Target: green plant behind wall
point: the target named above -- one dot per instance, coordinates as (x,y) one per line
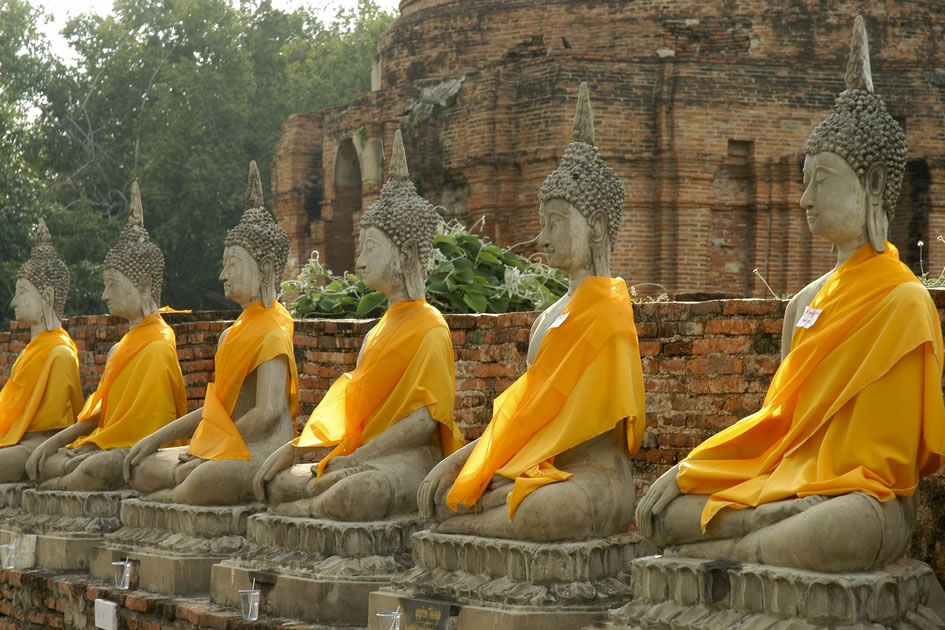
(465,274)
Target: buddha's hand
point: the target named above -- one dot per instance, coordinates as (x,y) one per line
(281,458)
(434,488)
(36,461)
(144,447)
(660,494)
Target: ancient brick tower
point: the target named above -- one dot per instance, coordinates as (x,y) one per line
(703,108)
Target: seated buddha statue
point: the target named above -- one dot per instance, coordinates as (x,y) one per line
(554,462)
(249,408)
(391,419)
(44,393)
(823,477)
(141,389)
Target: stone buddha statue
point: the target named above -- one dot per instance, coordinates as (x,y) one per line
(391,419)
(142,387)
(248,410)
(44,392)
(554,462)
(824,476)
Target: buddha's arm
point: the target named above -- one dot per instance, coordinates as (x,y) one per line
(437,484)
(65,437)
(412,432)
(270,402)
(180,429)
(787,328)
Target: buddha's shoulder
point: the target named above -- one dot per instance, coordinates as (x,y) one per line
(913,293)
(550,313)
(804,297)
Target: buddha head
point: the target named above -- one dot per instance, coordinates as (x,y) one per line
(855,160)
(134,268)
(581,202)
(255,251)
(42,284)
(397,233)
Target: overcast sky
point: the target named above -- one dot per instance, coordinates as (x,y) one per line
(62,10)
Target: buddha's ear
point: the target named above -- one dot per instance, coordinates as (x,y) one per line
(877,223)
(148,305)
(598,223)
(48,296)
(267,281)
(409,257)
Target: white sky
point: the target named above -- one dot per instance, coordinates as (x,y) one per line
(62,10)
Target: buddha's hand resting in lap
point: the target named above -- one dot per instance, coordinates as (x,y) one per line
(38,458)
(281,458)
(438,482)
(660,494)
(144,447)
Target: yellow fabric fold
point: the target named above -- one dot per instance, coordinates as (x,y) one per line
(855,407)
(407,363)
(258,335)
(44,391)
(586,378)
(142,388)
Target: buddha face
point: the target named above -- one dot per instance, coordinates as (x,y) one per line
(27,302)
(121,296)
(834,198)
(565,235)
(379,261)
(241,278)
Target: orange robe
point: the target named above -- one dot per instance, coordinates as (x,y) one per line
(258,335)
(44,391)
(407,363)
(855,407)
(142,388)
(586,378)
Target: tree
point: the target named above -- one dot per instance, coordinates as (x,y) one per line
(181,95)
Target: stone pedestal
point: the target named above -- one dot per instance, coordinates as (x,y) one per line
(514,585)
(316,570)
(683,594)
(59,528)
(173,546)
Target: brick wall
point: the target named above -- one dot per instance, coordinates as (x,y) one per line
(702,108)
(706,364)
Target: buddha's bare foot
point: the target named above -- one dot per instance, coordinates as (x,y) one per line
(770,513)
(299,508)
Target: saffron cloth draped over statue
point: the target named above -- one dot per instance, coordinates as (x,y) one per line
(856,406)
(142,388)
(258,335)
(44,391)
(586,378)
(407,364)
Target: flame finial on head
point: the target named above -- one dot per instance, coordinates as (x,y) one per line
(136,211)
(41,235)
(858,74)
(583,128)
(398,158)
(254,190)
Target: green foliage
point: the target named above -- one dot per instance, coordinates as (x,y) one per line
(930,282)
(179,94)
(465,274)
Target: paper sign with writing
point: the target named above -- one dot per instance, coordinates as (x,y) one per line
(809,318)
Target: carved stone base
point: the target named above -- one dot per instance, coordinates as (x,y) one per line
(173,546)
(515,585)
(61,527)
(684,594)
(315,570)
(11,498)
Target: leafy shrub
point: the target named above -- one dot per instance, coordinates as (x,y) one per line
(465,274)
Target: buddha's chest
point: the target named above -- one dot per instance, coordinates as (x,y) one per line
(551,318)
